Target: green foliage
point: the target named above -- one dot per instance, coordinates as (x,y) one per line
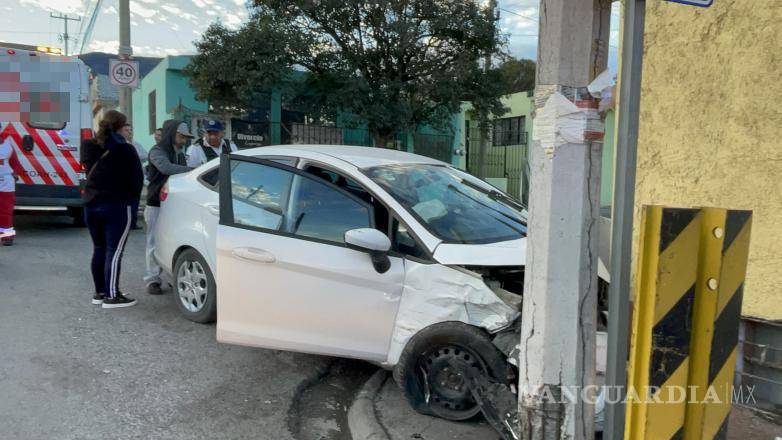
(518,75)
(396,64)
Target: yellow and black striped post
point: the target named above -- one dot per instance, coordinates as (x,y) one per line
(685,322)
(722,267)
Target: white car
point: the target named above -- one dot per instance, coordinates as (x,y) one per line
(375,254)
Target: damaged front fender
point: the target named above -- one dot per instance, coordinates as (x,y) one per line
(435,293)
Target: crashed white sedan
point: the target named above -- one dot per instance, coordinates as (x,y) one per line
(375,254)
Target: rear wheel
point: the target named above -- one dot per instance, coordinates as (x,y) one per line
(194,287)
(426,372)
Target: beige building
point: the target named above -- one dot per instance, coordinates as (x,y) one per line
(103,96)
(710,129)
(710,134)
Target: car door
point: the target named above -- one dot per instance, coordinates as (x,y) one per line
(210,206)
(285,278)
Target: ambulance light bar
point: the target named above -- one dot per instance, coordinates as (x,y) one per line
(51,50)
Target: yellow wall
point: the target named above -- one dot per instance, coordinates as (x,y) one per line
(711,124)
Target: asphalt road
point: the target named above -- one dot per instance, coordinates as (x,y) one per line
(71,370)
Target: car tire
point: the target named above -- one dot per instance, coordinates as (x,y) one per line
(195,291)
(424,360)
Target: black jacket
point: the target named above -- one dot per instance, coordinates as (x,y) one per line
(164,160)
(117,176)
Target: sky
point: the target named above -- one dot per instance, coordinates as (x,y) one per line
(169,27)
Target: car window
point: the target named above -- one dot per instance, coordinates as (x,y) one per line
(211,178)
(404,243)
(323,212)
(259,193)
(453,205)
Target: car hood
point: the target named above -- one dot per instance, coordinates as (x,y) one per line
(504,253)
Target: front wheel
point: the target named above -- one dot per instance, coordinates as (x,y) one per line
(426,372)
(195,291)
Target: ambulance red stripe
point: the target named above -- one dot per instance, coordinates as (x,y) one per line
(66,179)
(42,173)
(6,133)
(65,153)
(3,135)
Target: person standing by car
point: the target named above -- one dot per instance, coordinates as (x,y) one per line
(165,159)
(114,182)
(158,136)
(127,133)
(211,146)
(10,168)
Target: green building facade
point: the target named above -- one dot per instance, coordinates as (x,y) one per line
(165,93)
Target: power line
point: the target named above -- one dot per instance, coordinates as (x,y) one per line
(518,15)
(532,20)
(10,31)
(65,19)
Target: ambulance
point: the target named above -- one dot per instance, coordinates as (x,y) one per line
(45,112)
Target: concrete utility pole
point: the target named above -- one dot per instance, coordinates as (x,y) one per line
(483,148)
(65,36)
(125,51)
(558,324)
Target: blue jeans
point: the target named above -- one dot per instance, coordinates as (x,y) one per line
(109,226)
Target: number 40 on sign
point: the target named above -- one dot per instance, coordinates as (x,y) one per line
(123,73)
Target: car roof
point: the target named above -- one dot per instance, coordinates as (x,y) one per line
(361,157)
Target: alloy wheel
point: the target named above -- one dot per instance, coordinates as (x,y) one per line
(192,285)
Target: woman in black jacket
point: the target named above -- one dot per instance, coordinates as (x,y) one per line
(114,181)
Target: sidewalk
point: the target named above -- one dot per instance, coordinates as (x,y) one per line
(384,414)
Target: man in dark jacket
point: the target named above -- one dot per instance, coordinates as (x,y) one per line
(165,159)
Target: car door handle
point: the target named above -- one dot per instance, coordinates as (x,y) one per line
(213,209)
(254,254)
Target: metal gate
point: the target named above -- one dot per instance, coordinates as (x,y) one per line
(507,158)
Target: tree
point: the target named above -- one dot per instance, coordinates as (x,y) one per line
(518,75)
(395,64)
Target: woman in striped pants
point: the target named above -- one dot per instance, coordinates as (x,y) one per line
(114,181)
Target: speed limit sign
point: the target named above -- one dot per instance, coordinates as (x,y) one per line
(123,73)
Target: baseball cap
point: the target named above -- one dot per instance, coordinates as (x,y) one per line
(183,130)
(213,125)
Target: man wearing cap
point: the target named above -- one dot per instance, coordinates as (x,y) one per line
(211,146)
(165,159)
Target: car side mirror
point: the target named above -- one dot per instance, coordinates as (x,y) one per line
(372,241)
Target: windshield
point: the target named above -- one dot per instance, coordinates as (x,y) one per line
(454,206)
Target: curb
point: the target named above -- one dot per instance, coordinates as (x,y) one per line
(362,420)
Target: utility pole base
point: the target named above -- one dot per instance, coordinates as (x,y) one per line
(542,418)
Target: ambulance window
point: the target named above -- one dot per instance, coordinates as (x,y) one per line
(49,110)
